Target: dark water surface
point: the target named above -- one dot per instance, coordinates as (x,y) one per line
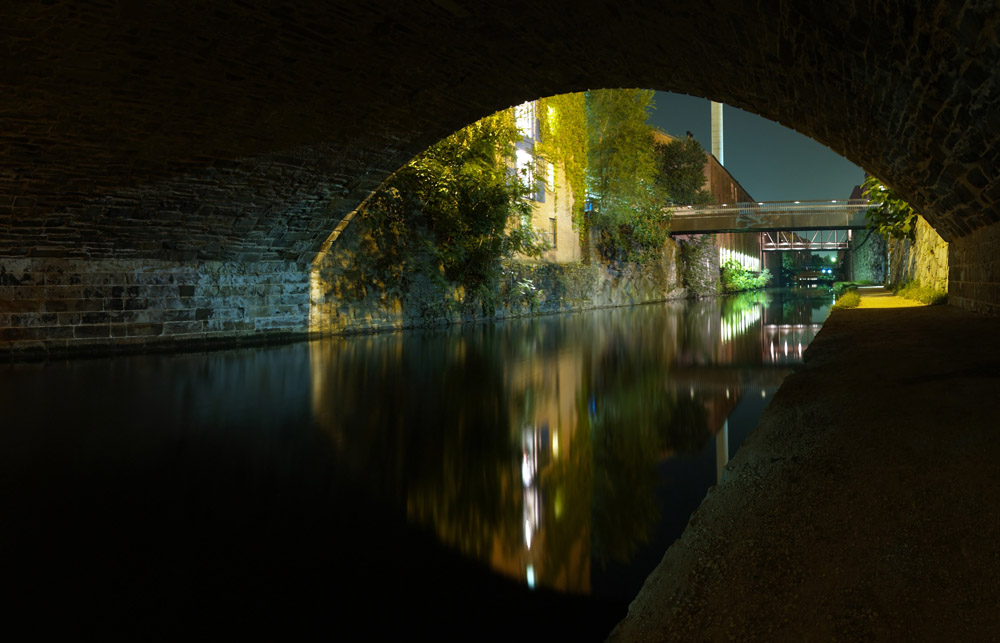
(498,482)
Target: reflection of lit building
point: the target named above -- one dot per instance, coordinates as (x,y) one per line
(740,323)
(536,451)
(545,422)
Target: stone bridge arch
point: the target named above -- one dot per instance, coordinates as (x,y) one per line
(169,170)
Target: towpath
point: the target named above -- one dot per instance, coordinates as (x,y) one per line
(865,506)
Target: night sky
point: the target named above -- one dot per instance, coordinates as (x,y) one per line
(772,162)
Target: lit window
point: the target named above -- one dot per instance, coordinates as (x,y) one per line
(524,117)
(551,171)
(525,163)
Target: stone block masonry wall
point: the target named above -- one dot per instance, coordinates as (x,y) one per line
(924,260)
(868,257)
(530,288)
(974,271)
(51,307)
(700,264)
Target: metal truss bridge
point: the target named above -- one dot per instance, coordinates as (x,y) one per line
(770,216)
(775,240)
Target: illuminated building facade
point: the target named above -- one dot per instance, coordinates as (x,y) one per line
(552,199)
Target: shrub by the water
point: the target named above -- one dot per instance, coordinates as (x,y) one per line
(736,278)
(850,299)
(840,287)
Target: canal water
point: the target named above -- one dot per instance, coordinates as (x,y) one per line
(512,480)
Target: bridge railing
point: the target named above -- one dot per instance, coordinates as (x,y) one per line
(773,207)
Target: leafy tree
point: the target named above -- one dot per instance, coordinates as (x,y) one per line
(453,212)
(682,171)
(563,120)
(736,278)
(627,200)
(888,215)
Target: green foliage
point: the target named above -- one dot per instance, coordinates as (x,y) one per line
(736,278)
(840,287)
(682,171)
(452,213)
(628,212)
(850,299)
(563,120)
(888,215)
(919,292)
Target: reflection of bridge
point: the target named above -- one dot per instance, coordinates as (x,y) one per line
(719,377)
(785,343)
(773,216)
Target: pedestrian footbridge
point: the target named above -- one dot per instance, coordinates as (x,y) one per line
(770,216)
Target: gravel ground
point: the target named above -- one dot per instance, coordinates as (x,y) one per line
(865,505)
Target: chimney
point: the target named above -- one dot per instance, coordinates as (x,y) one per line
(717,131)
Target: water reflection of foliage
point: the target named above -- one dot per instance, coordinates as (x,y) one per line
(438,437)
(798,304)
(746,301)
(626,447)
(634,422)
(688,430)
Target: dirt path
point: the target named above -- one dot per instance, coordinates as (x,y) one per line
(878,297)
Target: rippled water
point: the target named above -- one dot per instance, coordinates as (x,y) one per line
(293,484)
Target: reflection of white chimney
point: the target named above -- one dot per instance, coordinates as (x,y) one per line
(717,131)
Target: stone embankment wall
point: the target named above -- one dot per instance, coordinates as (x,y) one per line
(529,288)
(699,261)
(974,271)
(868,257)
(924,260)
(53,306)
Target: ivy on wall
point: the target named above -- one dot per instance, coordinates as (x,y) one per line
(563,121)
(451,214)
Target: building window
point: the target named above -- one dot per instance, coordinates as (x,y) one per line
(524,117)
(525,164)
(552,222)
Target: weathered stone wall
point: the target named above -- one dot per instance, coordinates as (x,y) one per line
(868,257)
(529,288)
(974,271)
(699,264)
(54,307)
(924,260)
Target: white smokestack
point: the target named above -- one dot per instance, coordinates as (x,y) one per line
(717,131)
